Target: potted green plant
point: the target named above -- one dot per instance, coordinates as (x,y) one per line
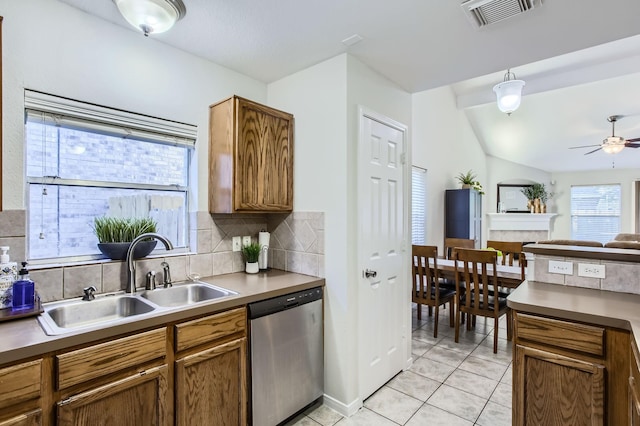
(115,235)
(468,180)
(538,196)
(251,253)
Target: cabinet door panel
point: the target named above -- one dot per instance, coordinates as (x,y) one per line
(132,401)
(32,418)
(551,389)
(210,386)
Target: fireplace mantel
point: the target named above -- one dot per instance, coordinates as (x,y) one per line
(520,221)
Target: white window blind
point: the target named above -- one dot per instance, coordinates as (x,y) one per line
(418,205)
(595,212)
(85,161)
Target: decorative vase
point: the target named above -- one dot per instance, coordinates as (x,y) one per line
(251,268)
(118,251)
(536,205)
(466,186)
(543,208)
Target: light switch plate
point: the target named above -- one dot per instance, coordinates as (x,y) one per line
(590,270)
(558,267)
(236,243)
(246,240)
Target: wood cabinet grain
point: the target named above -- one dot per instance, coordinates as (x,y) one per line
(140,399)
(21,390)
(567,372)
(250,157)
(211,386)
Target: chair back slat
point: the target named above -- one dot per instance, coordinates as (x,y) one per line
(477,269)
(510,250)
(425,277)
(450,244)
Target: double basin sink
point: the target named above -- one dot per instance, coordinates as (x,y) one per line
(112,309)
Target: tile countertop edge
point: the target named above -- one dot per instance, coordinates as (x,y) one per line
(25,338)
(600,307)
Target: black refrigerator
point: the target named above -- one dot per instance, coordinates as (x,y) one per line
(463,214)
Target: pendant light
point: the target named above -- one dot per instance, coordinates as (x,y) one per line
(509,93)
(151,16)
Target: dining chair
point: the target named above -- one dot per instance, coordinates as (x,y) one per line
(479,296)
(511,253)
(451,243)
(426,289)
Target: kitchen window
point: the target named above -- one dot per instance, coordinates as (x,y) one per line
(595,212)
(85,161)
(418,205)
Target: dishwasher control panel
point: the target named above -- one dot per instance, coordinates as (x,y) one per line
(281,303)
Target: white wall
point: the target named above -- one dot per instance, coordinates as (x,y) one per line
(54,48)
(443,142)
(562,198)
(503,171)
(325,98)
(318,97)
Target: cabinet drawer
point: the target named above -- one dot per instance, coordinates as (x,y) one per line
(106,358)
(196,332)
(562,334)
(20,383)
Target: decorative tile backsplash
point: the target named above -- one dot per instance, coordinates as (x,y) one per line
(297,245)
(619,276)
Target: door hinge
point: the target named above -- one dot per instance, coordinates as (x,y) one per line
(403,158)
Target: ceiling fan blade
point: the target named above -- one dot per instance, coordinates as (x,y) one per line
(591,152)
(632,145)
(583,146)
(633,140)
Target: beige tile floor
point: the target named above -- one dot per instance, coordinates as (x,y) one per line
(448,384)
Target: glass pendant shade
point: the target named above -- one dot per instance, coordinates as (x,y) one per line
(509,95)
(613,144)
(151,16)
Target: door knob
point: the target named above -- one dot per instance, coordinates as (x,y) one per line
(368,273)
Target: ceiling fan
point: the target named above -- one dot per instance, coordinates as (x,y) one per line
(613,144)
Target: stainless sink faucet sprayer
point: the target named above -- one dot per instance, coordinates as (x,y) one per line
(131,266)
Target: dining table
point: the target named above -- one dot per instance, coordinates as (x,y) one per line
(508,276)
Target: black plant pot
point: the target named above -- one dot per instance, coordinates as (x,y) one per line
(118,251)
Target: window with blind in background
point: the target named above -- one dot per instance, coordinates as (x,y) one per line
(595,212)
(418,205)
(85,161)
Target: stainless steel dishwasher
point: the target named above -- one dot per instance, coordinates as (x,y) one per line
(287,360)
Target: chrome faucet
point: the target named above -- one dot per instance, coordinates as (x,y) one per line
(131,266)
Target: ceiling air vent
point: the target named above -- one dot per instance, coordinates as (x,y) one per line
(486,12)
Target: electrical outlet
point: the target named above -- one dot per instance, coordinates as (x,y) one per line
(557,267)
(246,240)
(236,243)
(590,270)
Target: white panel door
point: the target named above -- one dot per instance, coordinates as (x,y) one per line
(383,295)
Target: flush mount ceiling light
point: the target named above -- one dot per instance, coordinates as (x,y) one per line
(509,93)
(151,16)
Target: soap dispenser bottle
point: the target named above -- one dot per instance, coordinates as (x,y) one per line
(8,274)
(23,290)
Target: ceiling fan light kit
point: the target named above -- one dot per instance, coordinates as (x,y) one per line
(509,93)
(613,144)
(151,16)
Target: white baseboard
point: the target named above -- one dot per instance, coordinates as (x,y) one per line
(346,410)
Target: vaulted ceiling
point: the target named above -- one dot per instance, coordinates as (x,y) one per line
(422,45)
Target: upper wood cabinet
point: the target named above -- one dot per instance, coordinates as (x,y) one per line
(250,158)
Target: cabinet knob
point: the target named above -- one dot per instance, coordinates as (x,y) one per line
(368,273)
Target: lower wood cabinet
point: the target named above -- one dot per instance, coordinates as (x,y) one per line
(210,370)
(569,373)
(31,418)
(140,399)
(210,386)
(634,385)
(188,373)
(20,394)
(557,390)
